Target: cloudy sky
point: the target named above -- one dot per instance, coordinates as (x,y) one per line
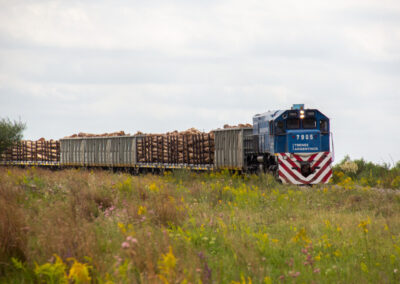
(156,66)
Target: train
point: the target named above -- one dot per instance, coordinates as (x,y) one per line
(292,144)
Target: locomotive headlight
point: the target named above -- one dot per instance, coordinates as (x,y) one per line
(301,114)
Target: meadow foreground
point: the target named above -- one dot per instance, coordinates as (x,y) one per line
(85,226)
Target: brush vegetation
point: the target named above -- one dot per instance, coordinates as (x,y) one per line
(82,226)
(350,173)
(10,133)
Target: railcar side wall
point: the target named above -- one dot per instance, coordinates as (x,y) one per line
(99,151)
(231,145)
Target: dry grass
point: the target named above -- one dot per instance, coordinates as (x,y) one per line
(13,227)
(214,228)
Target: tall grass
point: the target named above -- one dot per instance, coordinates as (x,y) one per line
(82,226)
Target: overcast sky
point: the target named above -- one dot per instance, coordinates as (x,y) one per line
(156,66)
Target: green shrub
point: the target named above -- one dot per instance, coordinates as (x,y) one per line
(366,173)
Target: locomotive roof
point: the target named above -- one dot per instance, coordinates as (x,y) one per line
(274,114)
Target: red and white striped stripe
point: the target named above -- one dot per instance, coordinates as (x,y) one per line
(290,168)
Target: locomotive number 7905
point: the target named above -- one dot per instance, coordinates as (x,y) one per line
(304,137)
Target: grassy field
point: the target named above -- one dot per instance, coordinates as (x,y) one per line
(85,226)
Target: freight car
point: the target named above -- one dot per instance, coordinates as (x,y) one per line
(292,144)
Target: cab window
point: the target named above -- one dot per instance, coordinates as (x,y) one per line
(293,123)
(279,127)
(324,126)
(309,123)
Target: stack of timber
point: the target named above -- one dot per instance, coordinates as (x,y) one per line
(35,151)
(188,147)
(85,135)
(247,125)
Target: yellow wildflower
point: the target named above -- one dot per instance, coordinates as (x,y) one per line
(363,225)
(142,210)
(327,224)
(167,265)
(153,187)
(301,236)
(364,267)
(337,253)
(267,280)
(79,272)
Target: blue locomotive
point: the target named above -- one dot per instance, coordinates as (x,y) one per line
(294,144)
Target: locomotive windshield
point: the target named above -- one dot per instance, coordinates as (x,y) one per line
(293,123)
(309,123)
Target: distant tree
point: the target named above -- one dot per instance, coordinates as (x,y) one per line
(10,133)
